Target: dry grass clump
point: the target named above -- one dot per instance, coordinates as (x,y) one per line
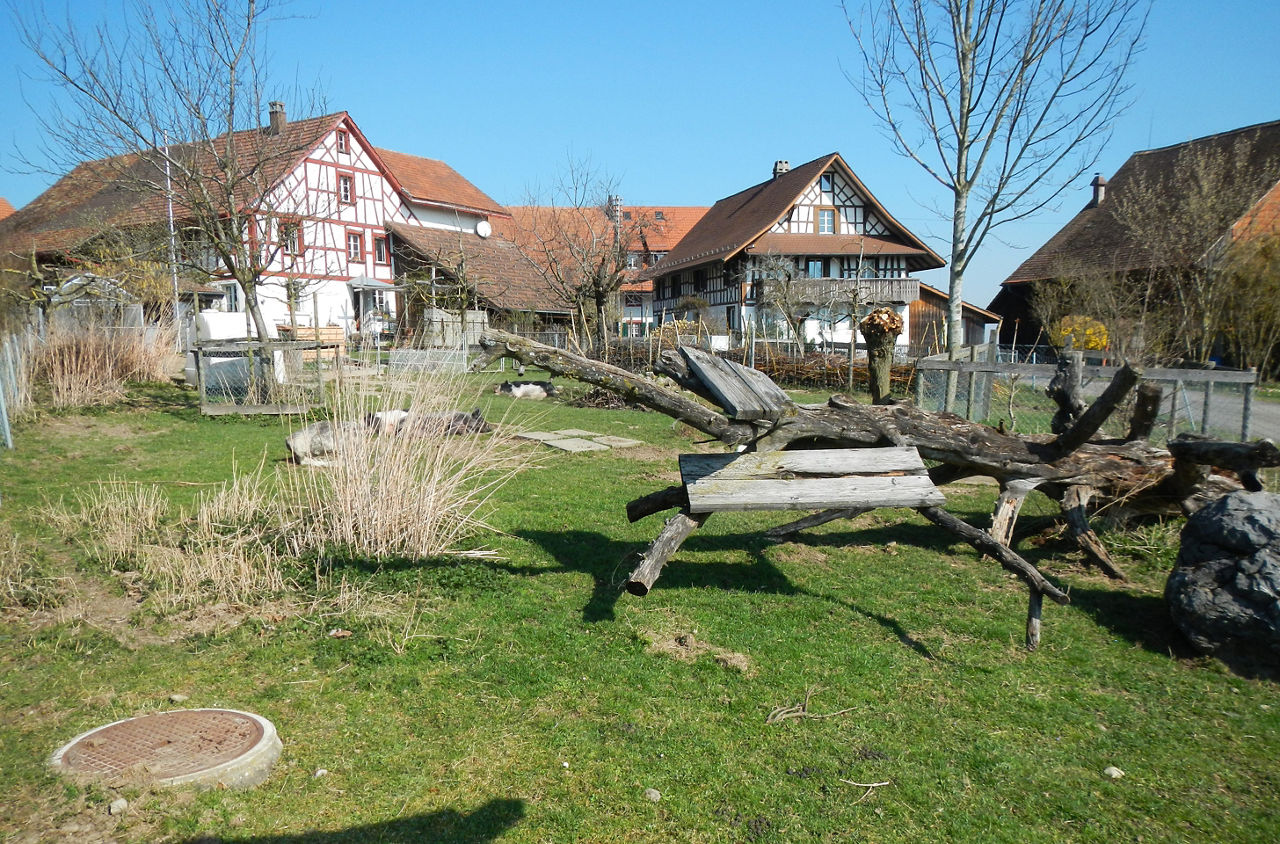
(219,551)
(88,364)
(415,493)
(24,583)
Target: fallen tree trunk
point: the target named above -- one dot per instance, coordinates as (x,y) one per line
(1136,472)
(1073,468)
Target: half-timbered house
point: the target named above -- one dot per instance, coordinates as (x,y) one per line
(335,228)
(818,225)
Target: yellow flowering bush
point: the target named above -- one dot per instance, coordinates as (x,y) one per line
(1085,333)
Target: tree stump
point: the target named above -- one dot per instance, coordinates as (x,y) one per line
(880,329)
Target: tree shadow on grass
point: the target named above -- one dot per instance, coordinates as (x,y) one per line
(1139,619)
(486,823)
(1144,620)
(605,560)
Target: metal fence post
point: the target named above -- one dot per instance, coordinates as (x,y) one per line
(4,406)
(1246,415)
(1173,410)
(1204,411)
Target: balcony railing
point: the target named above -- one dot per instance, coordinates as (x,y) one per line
(865,291)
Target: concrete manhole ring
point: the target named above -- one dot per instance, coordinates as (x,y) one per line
(204,747)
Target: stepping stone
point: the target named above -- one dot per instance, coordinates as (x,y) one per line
(617,442)
(539,436)
(574,432)
(576,444)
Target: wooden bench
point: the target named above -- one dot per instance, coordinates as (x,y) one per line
(836,483)
(841,482)
(325,337)
(818,479)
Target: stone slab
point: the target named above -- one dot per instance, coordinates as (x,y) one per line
(574,432)
(539,436)
(576,444)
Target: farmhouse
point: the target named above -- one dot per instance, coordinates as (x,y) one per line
(342,230)
(1207,194)
(814,227)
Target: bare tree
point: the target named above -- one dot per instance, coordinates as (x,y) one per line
(1003,102)
(1183,221)
(579,242)
(781,288)
(1121,301)
(1253,301)
(443,281)
(161,106)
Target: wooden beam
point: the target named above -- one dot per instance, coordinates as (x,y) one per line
(648,565)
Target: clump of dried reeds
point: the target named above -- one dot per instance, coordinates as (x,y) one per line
(415,493)
(87,364)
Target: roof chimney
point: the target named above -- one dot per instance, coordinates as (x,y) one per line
(1099,190)
(276,117)
(780,167)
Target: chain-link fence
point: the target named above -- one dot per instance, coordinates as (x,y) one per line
(991,388)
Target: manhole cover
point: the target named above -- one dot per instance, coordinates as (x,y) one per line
(200,746)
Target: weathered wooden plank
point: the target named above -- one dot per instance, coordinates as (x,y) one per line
(731,392)
(762,385)
(715,494)
(829,462)
(744,397)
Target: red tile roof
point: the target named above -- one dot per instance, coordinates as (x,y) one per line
(6,208)
(1094,240)
(737,222)
(436,183)
(500,272)
(110,193)
(663,225)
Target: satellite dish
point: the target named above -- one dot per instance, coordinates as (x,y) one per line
(483,228)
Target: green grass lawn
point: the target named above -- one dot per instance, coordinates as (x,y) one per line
(525,698)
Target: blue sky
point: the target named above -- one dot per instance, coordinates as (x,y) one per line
(682,102)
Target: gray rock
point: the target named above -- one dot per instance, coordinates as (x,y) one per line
(652,794)
(1224,591)
(118,806)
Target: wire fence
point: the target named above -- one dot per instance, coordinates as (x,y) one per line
(990,388)
(15,379)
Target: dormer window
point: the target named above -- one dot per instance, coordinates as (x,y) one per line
(657,215)
(344,141)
